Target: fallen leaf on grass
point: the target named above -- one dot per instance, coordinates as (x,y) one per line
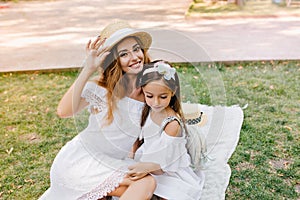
(255,85)
(10,128)
(29,181)
(280,164)
(281,175)
(47,110)
(33,98)
(245,106)
(23,97)
(288,128)
(9,151)
(30,137)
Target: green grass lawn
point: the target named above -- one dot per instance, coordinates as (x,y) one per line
(265,164)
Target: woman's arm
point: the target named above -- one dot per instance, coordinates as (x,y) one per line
(72,102)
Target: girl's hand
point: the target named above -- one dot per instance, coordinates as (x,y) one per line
(95,54)
(138,171)
(141,169)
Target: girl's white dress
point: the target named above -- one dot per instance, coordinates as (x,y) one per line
(95,161)
(179,181)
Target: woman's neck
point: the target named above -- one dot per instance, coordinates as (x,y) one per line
(131,82)
(130,86)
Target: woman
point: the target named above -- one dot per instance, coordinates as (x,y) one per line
(93,165)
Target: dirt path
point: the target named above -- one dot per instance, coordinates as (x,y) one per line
(52,34)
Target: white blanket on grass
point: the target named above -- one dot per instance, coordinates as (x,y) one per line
(222,131)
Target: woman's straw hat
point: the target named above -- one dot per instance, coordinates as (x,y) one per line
(118,30)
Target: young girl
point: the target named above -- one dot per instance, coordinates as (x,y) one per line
(163,153)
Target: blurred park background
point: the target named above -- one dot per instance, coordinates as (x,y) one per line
(243,8)
(51,34)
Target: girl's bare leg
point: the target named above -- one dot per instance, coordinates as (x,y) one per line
(141,189)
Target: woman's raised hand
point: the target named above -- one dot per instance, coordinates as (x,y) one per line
(72,102)
(96,54)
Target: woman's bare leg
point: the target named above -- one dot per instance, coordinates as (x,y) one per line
(141,189)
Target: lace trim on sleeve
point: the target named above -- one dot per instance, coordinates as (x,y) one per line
(107,186)
(90,93)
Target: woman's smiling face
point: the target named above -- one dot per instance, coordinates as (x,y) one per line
(131,56)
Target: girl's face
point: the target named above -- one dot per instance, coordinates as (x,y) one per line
(157,95)
(131,56)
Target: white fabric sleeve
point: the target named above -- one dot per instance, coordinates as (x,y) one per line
(169,152)
(95,95)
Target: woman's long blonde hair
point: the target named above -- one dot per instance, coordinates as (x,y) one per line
(113,78)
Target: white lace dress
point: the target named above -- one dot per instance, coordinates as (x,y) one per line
(179,181)
(95,161)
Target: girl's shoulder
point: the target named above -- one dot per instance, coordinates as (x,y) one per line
(173,126)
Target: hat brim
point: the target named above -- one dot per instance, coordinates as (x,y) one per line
(119,35)
(193,114)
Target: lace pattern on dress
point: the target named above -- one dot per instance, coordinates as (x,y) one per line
(107,186)
(96,103)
